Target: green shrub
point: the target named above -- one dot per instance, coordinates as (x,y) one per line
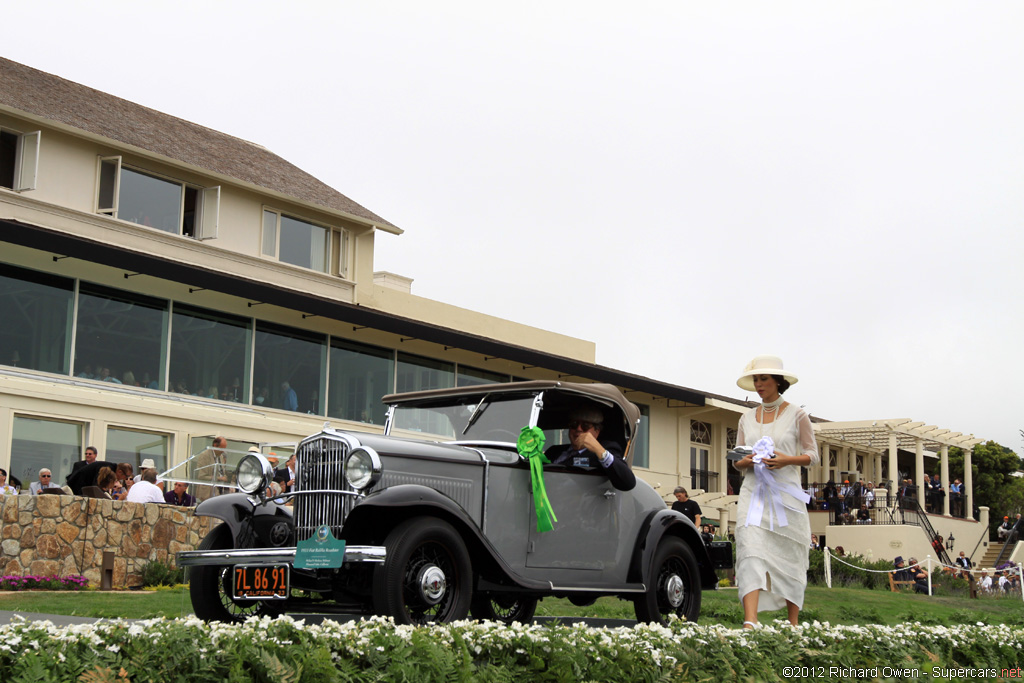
(157,573)
(847,576)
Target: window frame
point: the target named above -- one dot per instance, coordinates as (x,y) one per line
(26,159)
(336,251)
(207,207)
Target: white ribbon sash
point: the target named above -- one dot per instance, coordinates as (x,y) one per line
(768,490)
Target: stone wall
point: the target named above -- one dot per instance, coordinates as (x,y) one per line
(59,535)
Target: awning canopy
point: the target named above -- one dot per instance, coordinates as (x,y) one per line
(873,435)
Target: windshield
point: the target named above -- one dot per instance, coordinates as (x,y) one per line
(491,417)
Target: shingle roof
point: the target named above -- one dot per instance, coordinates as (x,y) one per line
(51,97)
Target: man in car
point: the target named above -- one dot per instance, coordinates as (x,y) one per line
(586,450)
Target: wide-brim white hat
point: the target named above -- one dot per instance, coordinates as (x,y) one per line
(147,464)
(763,365)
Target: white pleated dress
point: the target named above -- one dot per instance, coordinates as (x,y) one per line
(775,560)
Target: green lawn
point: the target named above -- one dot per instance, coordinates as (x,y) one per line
(836,606)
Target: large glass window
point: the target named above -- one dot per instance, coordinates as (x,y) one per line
(360,376)
(133,446)
(289,369)
(209,354)
(469,377)
(641,444)
(120,337)
(418,374)
(162,203)
(150,201)
(296,241)
(39,443)
(36,310)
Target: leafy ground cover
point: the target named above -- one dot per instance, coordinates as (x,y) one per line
(377,650)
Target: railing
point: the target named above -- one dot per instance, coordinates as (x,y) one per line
(703,479)
(913,508)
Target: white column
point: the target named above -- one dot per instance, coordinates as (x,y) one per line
(944,476)
(719,452)
(894,470)
(968,485)
(919,470)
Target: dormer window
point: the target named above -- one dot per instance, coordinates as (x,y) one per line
(145,198)
(302,243)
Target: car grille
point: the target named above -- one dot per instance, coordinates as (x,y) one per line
(320,466)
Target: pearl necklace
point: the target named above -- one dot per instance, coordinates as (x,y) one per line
(770,407)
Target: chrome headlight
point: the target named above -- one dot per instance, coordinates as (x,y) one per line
(254,473)
(362,468)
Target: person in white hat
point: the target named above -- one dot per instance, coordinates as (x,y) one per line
(772,525)
(148,464)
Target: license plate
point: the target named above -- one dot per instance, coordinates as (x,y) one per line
(260,582)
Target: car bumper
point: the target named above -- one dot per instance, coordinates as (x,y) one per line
(200,558)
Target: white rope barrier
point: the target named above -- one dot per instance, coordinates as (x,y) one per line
(1018,569)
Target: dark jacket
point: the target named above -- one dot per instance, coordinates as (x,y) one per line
(86,475)
(619,473)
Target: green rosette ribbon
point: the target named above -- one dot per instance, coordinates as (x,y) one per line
(531,447)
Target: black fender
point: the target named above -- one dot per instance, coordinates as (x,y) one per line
(376,514)
(663,523)
(243,518)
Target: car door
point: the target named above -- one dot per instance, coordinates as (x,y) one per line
(590,523)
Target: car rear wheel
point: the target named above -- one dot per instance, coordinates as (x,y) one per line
(209,587)
(506,609)
(427,577)
(673,584)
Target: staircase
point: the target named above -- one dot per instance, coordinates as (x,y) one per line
(988,560)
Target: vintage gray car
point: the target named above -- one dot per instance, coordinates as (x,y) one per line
(439,521)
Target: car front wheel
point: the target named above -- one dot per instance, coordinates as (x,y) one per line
(673,584)
(209,587)
(427,577)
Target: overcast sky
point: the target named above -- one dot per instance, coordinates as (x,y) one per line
(686,184)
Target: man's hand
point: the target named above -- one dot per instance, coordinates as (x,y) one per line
(588,441)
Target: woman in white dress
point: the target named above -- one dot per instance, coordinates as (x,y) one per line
(773,530)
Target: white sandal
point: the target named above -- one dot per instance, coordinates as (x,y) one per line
(753,624)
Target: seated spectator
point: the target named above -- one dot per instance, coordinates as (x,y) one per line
(814,541)
(179,496)
(920,577)
(124,481)
(901,573)
(1003,532)
(863,514)
(146,490)
(869,495)
(964,563)
(5,488)
(1016,529)
(840,552)
(106,481)
(1004,582)
(148,464)
(985,584)
(44,482)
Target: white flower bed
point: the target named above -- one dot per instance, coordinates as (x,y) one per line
(377,649)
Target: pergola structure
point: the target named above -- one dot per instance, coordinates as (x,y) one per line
(875,438)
